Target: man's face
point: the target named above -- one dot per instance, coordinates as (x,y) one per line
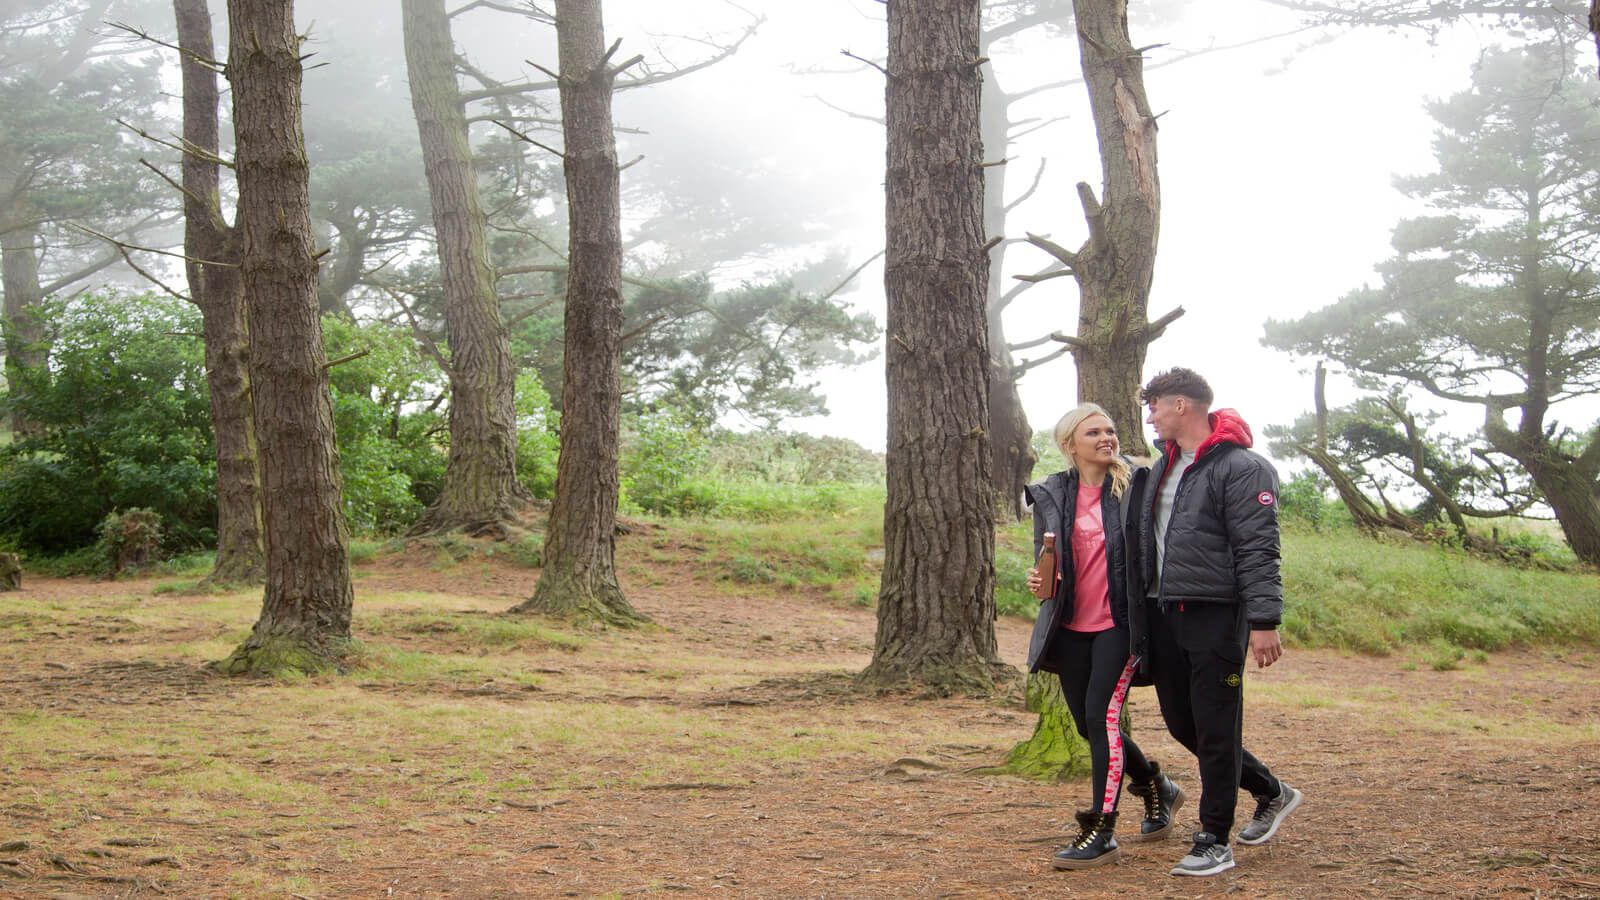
(1165,414)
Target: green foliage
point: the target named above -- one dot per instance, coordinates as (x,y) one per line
(1304,498)
(660,459)
(1013,557)
(130,539)
(1495,300)
(778,457)
(1356,593)
(389,463)
(125,420)
(538,437)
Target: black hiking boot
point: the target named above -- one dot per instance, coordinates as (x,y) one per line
(1162,797)
(1095,845)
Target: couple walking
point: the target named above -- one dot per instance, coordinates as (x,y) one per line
(1167,573)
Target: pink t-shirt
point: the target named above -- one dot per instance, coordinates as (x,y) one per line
(1091,596)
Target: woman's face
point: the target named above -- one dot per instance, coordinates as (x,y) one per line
(1094,441)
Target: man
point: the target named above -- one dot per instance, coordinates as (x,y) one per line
(1208,558)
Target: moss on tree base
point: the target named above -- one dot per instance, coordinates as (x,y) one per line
(1055,752)
(568,598)
(283,656)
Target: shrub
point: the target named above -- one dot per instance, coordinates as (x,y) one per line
(1304,498)
(659,462)
(389,461)
(124,420)
(538,440)
(130,540)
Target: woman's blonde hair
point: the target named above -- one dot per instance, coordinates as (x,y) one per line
(1121,472)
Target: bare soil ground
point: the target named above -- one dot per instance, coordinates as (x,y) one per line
(719,754)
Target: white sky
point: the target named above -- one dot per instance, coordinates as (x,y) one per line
(1276,178)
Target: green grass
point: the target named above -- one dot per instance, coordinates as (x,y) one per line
(471,631)
(1351,592)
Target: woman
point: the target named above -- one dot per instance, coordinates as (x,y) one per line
(1083,630)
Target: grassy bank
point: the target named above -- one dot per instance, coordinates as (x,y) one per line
(1342,589)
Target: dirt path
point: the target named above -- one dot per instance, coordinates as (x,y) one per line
(716,755)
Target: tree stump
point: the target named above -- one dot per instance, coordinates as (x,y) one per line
(10,572)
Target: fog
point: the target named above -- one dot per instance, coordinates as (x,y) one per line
(1277,147)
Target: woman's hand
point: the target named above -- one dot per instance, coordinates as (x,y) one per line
(1034,582)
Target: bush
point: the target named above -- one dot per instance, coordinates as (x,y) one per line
(538,437)
(660,460)
(130,540)
(125,422)
(1304,498)
(389,462)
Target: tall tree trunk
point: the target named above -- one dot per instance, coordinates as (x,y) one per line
(23,325)
(305,614)
(1114,267)
(219,292)
(936,608)
(1010,434)
(480,490)
(580,576)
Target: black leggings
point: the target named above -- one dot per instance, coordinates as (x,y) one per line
(1095,672)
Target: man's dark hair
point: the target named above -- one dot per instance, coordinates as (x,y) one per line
(1177,383)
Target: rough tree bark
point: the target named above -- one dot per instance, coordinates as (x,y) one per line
(305,613)
(580,577)
(1010,433)
(1114,267)
(936,606)
(480,491)
(23,327)
(218,290)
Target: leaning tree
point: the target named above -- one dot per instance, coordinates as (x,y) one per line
(1494,301)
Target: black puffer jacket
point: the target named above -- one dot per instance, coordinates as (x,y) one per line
(1054,503)
(1222,539)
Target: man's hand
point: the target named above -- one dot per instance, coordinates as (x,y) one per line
(1265,647)
(1034,582)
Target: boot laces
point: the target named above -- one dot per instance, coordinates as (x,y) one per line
(1264,808)
(1088,835)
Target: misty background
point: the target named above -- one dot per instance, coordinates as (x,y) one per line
(1278,144)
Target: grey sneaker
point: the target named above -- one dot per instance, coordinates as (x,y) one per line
(1270,813)
(1206,857)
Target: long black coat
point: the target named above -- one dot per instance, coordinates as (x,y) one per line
(1054,503)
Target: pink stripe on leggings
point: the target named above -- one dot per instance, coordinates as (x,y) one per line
(1114,736)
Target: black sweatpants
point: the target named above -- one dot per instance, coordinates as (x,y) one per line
(1197,656)
(1095,672)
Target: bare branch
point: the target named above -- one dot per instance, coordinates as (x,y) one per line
(854,115)
(1065,256)
(851,277)
(127,257)
(344,359)
(1022,368)
(1046,275)
(183,146)
(140,33)
(544,147)
(869,62)
(1038,176)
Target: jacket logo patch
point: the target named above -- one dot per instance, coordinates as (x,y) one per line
(1232,680)
(1264,498)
